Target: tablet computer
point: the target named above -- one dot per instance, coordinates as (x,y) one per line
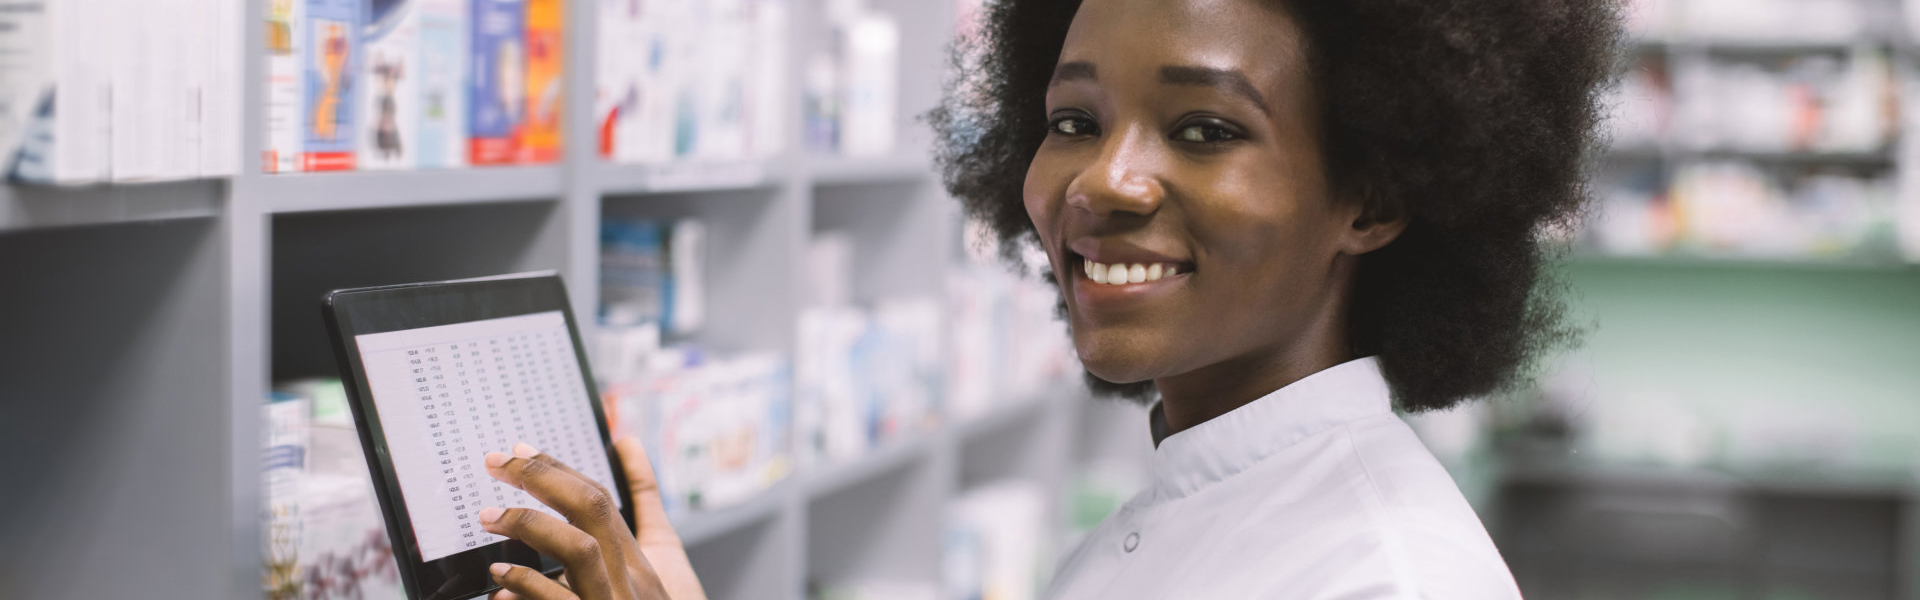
(439,374)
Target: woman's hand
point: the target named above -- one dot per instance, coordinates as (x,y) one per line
(603,560)
(658,541)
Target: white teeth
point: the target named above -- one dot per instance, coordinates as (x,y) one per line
(1121,274)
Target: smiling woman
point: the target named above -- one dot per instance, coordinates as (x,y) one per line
(1465,123)
(1281,217)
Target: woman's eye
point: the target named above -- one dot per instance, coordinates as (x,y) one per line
(1073,126)
(1204,132)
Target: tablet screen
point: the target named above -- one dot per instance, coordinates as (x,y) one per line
(449,394)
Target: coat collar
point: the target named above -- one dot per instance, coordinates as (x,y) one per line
(1188,461)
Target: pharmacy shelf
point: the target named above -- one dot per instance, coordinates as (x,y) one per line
(1755,47)
(1703,261)
(686,176)
(1821,481)
(27,207)
(1881,158)
(889,457)
(359,190)
(698,527)
(1001,418)
(906,166)
(211,299)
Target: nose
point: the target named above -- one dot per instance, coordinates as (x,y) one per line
(1122,179)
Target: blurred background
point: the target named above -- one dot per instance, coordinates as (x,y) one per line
(845,394)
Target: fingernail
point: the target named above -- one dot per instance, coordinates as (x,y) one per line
(524,451)
(497,459)
(500,569)
(490,514)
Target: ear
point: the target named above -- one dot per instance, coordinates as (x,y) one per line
(1374,223)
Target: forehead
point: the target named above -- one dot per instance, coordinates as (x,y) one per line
(1254,37)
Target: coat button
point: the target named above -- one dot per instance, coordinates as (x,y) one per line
(1133,541)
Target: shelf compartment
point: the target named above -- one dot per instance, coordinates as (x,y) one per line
(1014,414)
(754,560)
(314,253)
(1021,441)
(699,527)
(895,229)
(750,263)
(890,457)
(880,517)
(26,207)
(312,192)
(115,363)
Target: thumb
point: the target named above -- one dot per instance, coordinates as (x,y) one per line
(650,515)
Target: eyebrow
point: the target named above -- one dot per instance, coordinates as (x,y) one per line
(1228,79)
(1078,69)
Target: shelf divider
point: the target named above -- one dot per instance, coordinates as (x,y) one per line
(359,190)
(905,166)
(616,179)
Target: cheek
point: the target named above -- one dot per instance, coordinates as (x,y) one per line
(1044,193)
(1261,222)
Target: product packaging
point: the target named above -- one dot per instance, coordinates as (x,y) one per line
(497,85)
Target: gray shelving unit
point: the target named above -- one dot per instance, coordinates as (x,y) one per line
(1574,528)
(144,325)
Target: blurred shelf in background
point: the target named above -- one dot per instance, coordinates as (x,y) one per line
(1877,159)
(37,207)
(1768,128)
(904,166)
(1889,265)
(686,176)
(358,190)
(1564,470)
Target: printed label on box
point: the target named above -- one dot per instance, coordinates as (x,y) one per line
(497,85)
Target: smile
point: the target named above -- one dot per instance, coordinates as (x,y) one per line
(1122,273)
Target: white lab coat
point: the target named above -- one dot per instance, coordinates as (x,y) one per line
(1317,491)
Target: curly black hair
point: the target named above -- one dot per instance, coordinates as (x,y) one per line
(1476,119)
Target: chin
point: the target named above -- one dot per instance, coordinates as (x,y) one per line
(1117,357)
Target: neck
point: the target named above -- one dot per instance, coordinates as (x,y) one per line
(1198,396)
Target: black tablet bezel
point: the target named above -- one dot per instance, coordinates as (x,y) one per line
(359,311)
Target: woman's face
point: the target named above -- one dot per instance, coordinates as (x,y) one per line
(1181,195)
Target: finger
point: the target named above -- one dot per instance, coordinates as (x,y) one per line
(524,583)
(585,504)
(660,545)
(505,594)
(649,513)
(577,550)
(564,467)
(581,501)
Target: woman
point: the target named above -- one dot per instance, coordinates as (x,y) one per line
(1281,217)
